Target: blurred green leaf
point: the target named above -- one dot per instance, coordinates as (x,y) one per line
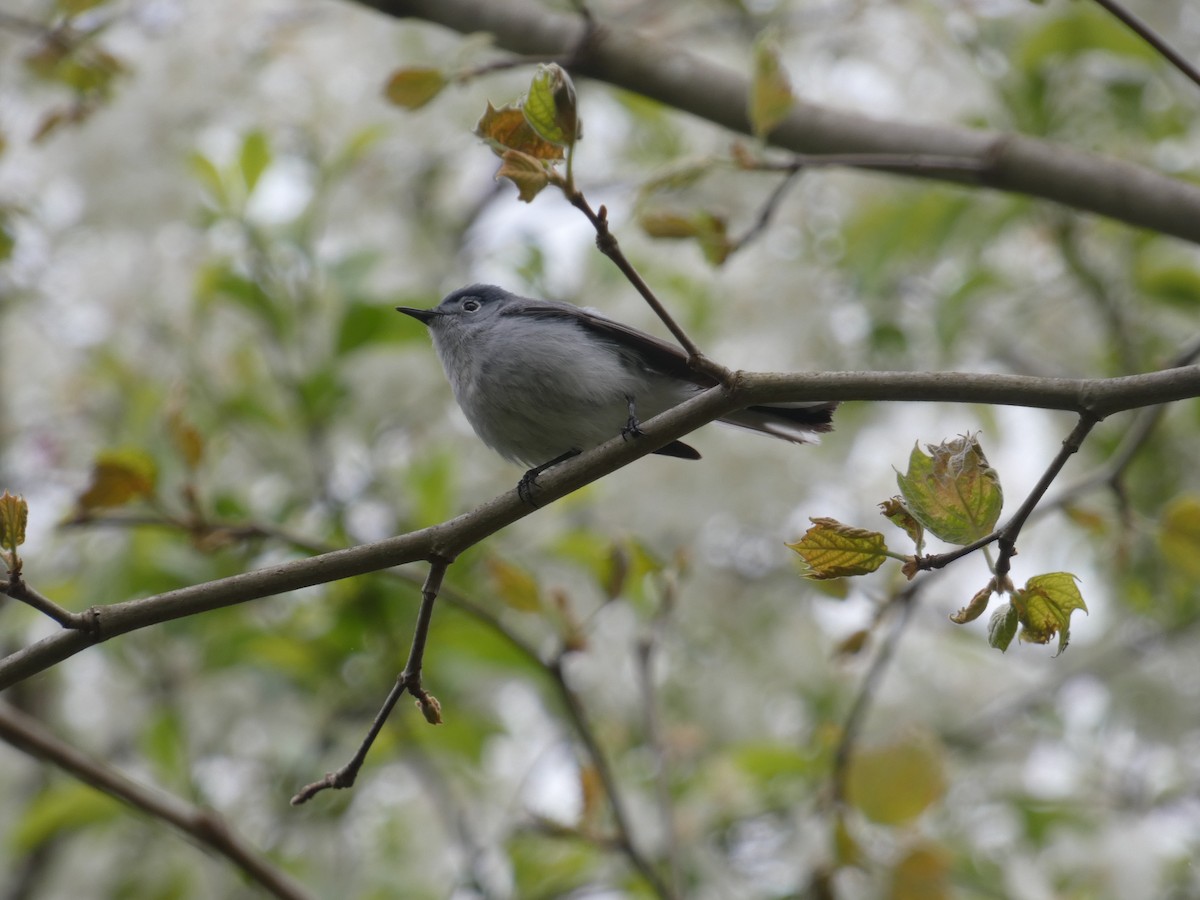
(59,810)
(14,516)
(366,324)
(119,476)
(516,586)
(892,784)
(414,87)
(771,96)
(254,159)
(1179,535)
(431,488)
(209,176)
(1081,29)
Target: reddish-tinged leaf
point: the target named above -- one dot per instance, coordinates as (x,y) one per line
(507,129)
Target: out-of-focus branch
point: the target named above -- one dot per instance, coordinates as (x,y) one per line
(673,76)
(204,826)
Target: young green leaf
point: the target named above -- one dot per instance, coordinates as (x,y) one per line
(1044,607)
(1002,627)
(550,107)
(770,91)
(14,514)
(834,550)
(254,158)
(412,88)
(708,229)
(952,491)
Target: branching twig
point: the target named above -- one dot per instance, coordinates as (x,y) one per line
(17,588)
(202,825)
(408,681)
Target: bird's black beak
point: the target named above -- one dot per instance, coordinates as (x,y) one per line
(425,316)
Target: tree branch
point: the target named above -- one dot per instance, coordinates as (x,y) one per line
(663,72)
(1094,397)
(202,825)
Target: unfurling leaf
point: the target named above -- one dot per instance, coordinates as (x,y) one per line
(1044,607)
(894,510)
(14,514)
(430,708)
(118,477)
(952,491)
(412,88)
(516,586)
(550,106)
(974,609)
(770,92)
(507,129)
(1002,627)
(834,550)
(894,783)
(527,173)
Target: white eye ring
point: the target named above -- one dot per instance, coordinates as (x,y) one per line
(470,305)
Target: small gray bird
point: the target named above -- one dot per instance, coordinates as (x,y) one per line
(541,381)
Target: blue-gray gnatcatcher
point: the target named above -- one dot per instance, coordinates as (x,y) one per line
(542,381)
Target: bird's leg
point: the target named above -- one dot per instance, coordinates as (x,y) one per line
(633,428)
(529,479)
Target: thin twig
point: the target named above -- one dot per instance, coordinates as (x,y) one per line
(1007,540)
(607,243)
(766,214)
(1148,34)
(202,825)
(408,681)
(17,588)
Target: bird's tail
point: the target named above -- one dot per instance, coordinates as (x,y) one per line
(797,422)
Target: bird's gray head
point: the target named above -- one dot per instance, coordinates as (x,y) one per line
(465,308)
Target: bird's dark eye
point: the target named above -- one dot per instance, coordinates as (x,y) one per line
(470,305)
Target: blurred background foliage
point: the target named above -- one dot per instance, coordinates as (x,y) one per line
(207,214)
